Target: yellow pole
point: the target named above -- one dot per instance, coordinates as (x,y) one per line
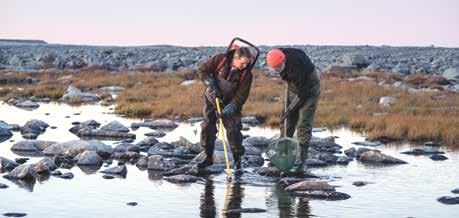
(222,133)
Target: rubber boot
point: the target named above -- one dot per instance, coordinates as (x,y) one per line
(237,157)
(301,155)
(208,161)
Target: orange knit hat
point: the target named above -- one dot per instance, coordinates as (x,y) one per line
(275,58)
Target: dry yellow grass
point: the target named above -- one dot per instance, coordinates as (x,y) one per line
(416,116)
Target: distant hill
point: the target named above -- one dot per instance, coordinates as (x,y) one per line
(32,41)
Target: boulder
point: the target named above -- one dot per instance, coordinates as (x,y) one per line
(115,126)
(310,186)
(75,147)
(387,100)
(156,124)
(31,145)
(22,172)
(7,164)
(89,158)
(34,126)
(45,166)
(75,95)
(376,157)
(118,170)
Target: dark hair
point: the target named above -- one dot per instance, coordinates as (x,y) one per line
(242,52)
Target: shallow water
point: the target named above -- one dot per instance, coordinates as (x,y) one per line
(394,191)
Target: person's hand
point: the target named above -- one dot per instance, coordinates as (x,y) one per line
(229,110)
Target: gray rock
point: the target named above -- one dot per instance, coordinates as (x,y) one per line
(181,179)
(3,186)
(351,152)
(438,157)
(75,147)
(188,169)
(323,195)
(309,186)
(376,157)
(422,151)
(67,175)
(452,73)
(315,163)
(251,120)
(115,126)
(133,204)
(268,171)
(386,100)
(89,158)
(142,162)
(31,145)
(4,132)
(124,147)
(156,134)
(195,119)
(256,141)
(448,200)
(359,183)
(357,60)
(45,165)
(455,191)
(7,164)
(75,95)
(34,126)
(22,172)
(147,143)
(91,123)
(15,214)
(401,69)
(343,160)
(156,124)
(118,170)
(27,104)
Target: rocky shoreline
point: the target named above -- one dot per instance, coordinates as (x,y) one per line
(42,57)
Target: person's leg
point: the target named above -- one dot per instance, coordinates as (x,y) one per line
(233,126)
(208,133)
(304,127)
(292,120)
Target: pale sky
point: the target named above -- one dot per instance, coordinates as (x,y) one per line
(213,22)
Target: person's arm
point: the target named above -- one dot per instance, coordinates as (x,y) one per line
(208,67)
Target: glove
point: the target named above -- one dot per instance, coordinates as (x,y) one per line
(229,110)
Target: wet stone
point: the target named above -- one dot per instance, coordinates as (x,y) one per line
(108,177)
(21,160)
(67,175)
(15,214)
(133,204)
(448,200)
(438,157)
(3,186)
(359,183)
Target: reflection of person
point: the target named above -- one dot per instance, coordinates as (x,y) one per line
(225,76)
(207,206)
(234,198)
(287,206)
(295,67)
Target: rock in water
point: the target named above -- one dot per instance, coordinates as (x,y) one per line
(22,172)
(448,200)
(181,179)
(115,126)
(376,157)
(118,170)
(89,158)
(310,186)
